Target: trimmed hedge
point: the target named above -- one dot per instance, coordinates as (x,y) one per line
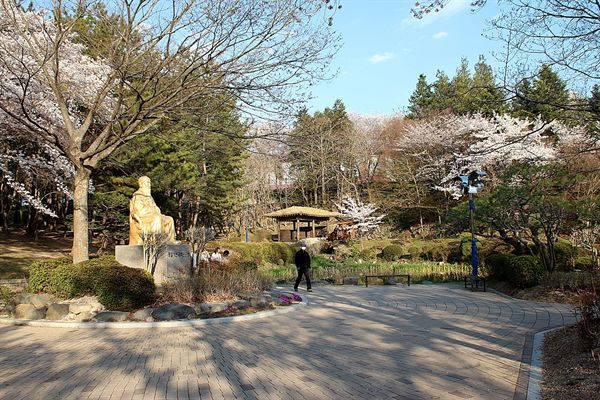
(271,252)
(499,265)
(526,271)
(39,273)
(125,289)
(393,252)
(118,287)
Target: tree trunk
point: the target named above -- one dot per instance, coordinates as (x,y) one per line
(80,250)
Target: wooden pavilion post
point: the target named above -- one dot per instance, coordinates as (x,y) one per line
(297,228)
(278,230)
(313,229)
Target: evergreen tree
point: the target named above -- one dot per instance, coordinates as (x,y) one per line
(461,89)
(594,110)
(319,155)
(594,102)
(442,93)
(550,95)
(420,101)
(522,105)
(486,96)
(196,166)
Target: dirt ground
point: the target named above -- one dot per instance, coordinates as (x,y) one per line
(570,373)
(536,293)
(17,251)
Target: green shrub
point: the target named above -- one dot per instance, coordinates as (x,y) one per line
(565,254)
(65,281)
(393,252)
(122,288)
(39,273)
(244,264)
(270,252)
(526,271)
(321,261)
(499,265)
(118,287)
(7,299)
(68,280)
(585,263)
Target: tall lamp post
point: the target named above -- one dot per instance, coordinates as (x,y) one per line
(470,184)
(249,203)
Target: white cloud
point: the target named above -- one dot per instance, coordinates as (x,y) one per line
(378,58)
(440,35)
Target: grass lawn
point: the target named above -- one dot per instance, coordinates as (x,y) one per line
(17,251)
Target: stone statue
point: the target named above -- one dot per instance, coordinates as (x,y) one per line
(145,216)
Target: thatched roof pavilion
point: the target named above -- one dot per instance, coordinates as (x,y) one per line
(309,215)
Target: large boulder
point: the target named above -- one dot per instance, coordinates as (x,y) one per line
(41,300)
(145,314)
(29,311)
(173,311)
(82,316)
(76,308)
(23,298)
(36,300)
(211,308)
(350,280)
(241,304)
(57,311)
(86,304)
(111,316)
(261,301)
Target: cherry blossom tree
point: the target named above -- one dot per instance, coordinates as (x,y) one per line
(446,146)
(86,96)
(361,214)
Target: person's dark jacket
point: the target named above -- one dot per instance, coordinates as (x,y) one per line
(302,259)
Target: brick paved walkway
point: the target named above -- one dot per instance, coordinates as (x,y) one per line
(418,342)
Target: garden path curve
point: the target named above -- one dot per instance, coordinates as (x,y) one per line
(381,342)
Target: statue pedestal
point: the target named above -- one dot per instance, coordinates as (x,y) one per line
(174,263)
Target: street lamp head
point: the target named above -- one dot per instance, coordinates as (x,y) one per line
(476,176)
(471,183)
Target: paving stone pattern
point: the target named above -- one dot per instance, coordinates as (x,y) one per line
(381,342)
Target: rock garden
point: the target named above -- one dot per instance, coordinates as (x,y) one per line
(102,290)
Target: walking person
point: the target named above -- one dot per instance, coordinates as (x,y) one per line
(302,260)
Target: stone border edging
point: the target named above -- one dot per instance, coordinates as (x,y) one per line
(155,324)
(534,391)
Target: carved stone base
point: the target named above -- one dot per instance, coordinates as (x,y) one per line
(173,263)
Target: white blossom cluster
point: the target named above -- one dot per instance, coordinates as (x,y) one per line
(26,195)
(47,162)
(31,77)
(451,145)
(361,214)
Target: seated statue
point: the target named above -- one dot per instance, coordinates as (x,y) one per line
(145,216)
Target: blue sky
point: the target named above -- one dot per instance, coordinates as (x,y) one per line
(385,49)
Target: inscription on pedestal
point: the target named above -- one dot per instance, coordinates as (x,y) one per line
(173,263)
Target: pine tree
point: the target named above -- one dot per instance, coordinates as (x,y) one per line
(461,89)
(442,92)
(318,154)
(420,101)
(550,95)
(594,110)
(522,105)
(487,96)
(594,102)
